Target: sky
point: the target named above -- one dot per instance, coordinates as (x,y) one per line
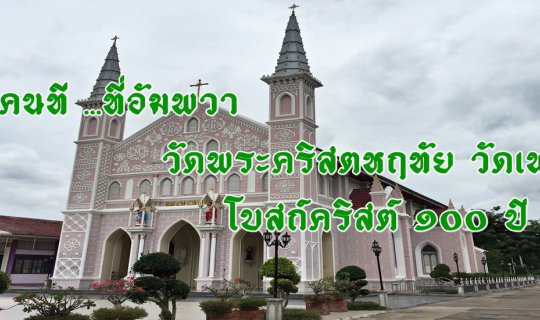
(394,72)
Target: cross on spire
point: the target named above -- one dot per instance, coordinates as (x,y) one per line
(294,6)
(199,84)
(114,40)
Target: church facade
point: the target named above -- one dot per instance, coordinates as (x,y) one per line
(123,202)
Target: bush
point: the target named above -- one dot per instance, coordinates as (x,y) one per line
(350,280)
(73,316)
(159,287)
(441,271)
(56,302)
(4,282)
(216,307)
(364,305)
(249,303)
(300,314)
(125,313)
(288,278)
(352,273)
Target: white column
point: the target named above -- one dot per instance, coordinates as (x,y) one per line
(142,237)
(132,253)
(202,256)
(7,251)
(212,271)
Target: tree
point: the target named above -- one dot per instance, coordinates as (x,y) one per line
(157,285)
(506,245)
(4,282)
(288,277)
(350,280)
(441,271)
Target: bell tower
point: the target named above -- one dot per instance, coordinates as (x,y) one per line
(292,113)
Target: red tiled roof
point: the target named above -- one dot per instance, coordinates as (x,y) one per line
(30,227)
(360,197)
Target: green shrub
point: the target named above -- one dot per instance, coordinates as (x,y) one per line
(364,305)
(250,303)
(159,287)
(216,307)
(350,280)
(4,282)
(441,271)
(72,316)
(288,278)
(125,313)
(56,302)
(300,314)
(352,273)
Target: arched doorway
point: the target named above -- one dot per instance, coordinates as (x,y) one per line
(327,255)
(183,241)
(248,257)
(116,255)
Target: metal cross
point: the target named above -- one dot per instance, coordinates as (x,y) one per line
(199,84)
(114,40)
(294,6)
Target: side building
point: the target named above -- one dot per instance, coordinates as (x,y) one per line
(28,249)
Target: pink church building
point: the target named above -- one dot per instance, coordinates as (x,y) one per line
(123,202)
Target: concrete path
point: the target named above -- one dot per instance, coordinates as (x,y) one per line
(517,304)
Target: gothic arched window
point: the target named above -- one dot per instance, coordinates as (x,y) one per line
(114,191)
(321,183)
(166,188)
(210,183)
(146,188)
(188,186)
(192,125)
(212,145)
(429,258)
(191,146)
(91,126)
(265,182)
(114,128)
(233,183)
(309,108)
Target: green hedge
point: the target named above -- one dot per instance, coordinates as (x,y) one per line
(300,314)
(125,313)
(250,303)
(216,307)
(73,316)
(364,305)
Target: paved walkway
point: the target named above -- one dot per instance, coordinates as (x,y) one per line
(517,304)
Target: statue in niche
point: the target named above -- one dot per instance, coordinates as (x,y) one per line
(249,256)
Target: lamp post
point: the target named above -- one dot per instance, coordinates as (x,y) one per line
(484,261)
(502,268)
(277,242)
(456,259)
(376,248)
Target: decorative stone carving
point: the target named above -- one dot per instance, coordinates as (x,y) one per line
(284,186)
(171,129)
(246,142)
(79,198)
(72,244)
(119,157)
(232,131)
(137,152)
(83,175)
(87,153)
(153,138)
(213,125)
(285,135)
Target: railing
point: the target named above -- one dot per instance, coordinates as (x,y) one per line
(443,285)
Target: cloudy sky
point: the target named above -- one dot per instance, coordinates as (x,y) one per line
(394,73)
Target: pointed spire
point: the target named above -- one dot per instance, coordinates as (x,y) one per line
(292,57)
(376,186)
(109,72)
(450,205)
(399,194)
